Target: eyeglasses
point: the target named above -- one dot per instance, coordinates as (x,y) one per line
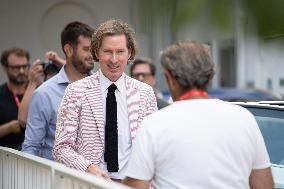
(144,75)
(18,67)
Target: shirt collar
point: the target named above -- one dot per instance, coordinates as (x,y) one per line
(105,82)
(62,76)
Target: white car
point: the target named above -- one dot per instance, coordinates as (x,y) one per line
(270,118)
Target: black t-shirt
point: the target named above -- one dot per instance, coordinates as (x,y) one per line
(9,112)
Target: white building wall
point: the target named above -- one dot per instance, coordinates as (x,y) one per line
(272,60)
(35,25)
(264,60)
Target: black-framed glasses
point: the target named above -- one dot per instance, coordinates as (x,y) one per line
(19,67)
(144,75)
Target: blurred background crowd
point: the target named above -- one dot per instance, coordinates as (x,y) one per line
(245,36)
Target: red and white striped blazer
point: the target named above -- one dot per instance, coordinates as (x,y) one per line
(79,136)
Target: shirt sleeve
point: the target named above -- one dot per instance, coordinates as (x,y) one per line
(36,124)
(261,158)
(141,162)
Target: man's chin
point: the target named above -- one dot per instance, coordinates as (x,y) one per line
(90,65)
(86,69)
(90,68)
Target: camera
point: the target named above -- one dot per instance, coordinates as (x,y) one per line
(49,68)
(46,63)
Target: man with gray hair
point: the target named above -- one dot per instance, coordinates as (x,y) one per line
(197,142)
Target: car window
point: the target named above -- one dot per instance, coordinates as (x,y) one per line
(272,130)
(271,124)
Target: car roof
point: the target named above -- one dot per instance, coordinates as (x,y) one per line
(238,94)
(278,103)
(263,105)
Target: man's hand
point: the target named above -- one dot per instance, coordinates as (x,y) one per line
(97,171)
(136,183)
(36,74)
(55,58)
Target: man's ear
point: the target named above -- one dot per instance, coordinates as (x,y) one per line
(68,49)
(169,77)
(174,86)
(129,55)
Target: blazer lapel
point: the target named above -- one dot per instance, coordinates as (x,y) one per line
(94,96)
(133,105)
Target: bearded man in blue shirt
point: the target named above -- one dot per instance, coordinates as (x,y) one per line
(42,116)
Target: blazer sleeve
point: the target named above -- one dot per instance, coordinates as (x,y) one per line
(67,127)
(152,102)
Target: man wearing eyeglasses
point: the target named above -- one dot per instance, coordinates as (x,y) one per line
(15,62)
(144,70)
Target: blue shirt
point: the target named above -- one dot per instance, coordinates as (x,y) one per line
(42,116)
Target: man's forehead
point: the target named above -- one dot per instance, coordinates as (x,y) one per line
(142,67)
(114,41)
(13,58)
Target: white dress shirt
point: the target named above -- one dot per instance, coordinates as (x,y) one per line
(124,138)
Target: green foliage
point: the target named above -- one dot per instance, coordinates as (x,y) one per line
(268,14)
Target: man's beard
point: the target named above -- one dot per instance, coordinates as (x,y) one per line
(18,80)
(79,65)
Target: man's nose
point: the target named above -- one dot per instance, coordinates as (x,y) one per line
(140,77)
(22,69)
(114,57)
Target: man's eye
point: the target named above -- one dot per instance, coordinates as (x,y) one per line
(107,52)
(120,51)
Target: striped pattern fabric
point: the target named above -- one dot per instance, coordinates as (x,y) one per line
(79,136)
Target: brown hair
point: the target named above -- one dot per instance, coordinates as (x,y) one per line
(73,31)
(15,50)
(143,60)
(111,28)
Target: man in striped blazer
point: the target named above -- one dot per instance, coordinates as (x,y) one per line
(81,139)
